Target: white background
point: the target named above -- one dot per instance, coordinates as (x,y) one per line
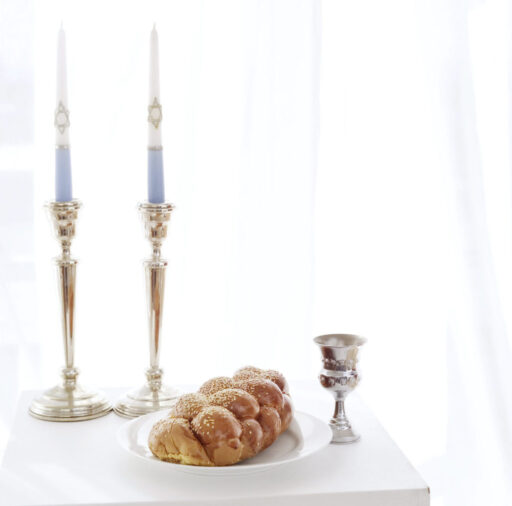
(336,167)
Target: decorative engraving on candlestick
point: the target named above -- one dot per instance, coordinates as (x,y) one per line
(340,376)
(154,395)
(68,401)
(155,113)
(61,120)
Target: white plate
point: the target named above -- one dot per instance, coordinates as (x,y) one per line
(306,435)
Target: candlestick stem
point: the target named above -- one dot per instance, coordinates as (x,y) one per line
(68,401)
(154,395)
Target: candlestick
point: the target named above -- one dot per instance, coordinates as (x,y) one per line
(153,396)
(68,401)
(63,183)
(156,191)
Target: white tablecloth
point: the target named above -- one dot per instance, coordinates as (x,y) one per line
(49,463)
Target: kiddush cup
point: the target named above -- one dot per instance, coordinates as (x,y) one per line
(340,376)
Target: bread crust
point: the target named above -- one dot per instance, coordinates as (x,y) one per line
(228,420)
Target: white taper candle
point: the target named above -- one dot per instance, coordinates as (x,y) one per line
(63,180)
(62,110)
(154,105)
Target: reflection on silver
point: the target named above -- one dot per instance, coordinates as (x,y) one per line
(69,401)
(153,396)
(340,376)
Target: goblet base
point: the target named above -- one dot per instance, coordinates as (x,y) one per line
(344,435)
(65,404)
(146,400)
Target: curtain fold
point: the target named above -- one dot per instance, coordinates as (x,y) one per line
(480,412)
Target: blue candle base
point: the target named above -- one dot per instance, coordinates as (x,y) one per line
(156,191)
(63,183)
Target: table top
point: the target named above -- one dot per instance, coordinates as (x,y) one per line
(75,463)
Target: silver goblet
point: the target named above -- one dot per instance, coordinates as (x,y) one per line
(340,376)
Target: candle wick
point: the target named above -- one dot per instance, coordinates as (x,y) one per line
(61,25)
(154,27)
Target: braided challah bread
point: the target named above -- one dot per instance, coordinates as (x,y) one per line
(226,421)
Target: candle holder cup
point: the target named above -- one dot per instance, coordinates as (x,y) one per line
(68,401)
(339,375)
(154,395)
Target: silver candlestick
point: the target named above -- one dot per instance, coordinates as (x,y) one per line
(68,402)
(153,396)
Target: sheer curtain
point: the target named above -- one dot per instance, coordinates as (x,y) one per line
(479,344)
(336,166)
(414,228)
(18,344)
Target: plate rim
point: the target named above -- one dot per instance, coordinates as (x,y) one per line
(223,470)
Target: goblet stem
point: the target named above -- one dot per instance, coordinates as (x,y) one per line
(340,418)
(342,431)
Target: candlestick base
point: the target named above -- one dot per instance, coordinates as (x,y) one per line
(151,397)
(69,402)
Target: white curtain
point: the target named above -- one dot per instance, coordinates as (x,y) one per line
(414,228)
(336,166)
(476,102)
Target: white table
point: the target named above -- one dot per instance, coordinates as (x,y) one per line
(49,463)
